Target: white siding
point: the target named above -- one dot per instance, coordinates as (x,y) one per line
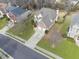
(73,31)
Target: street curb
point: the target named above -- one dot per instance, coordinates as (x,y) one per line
(48,53)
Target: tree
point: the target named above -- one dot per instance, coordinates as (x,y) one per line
(70,8)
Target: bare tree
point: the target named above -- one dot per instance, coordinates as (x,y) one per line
(70,8)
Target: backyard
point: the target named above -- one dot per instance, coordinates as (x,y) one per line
(67,48)
(23,29)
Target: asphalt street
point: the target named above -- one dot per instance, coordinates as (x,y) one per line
(18,50)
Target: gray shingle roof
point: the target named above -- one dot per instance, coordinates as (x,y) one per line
(48,16)
(75,19)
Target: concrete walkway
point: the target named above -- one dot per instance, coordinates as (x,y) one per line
(37,36)
(48,53)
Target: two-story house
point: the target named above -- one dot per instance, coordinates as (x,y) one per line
(45,18)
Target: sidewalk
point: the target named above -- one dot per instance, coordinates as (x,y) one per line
(48,53)
(37,36)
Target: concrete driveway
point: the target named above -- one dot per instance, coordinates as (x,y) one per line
(54,36)
(37,36)
(17,50)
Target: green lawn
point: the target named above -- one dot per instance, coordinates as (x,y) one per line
(23,29)
(65,25)
(3,22)
(67,48)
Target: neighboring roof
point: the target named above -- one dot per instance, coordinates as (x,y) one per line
(10,8)
(48,16)
(75,19)
(16,10)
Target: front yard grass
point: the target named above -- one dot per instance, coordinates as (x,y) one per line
(23,29)
(67,49)
(3,22)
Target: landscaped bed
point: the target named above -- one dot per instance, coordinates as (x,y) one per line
(67,48)
(3,22)
(23,29)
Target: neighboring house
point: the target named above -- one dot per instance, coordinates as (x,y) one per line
(74,28)
(17,14)
(45,18)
